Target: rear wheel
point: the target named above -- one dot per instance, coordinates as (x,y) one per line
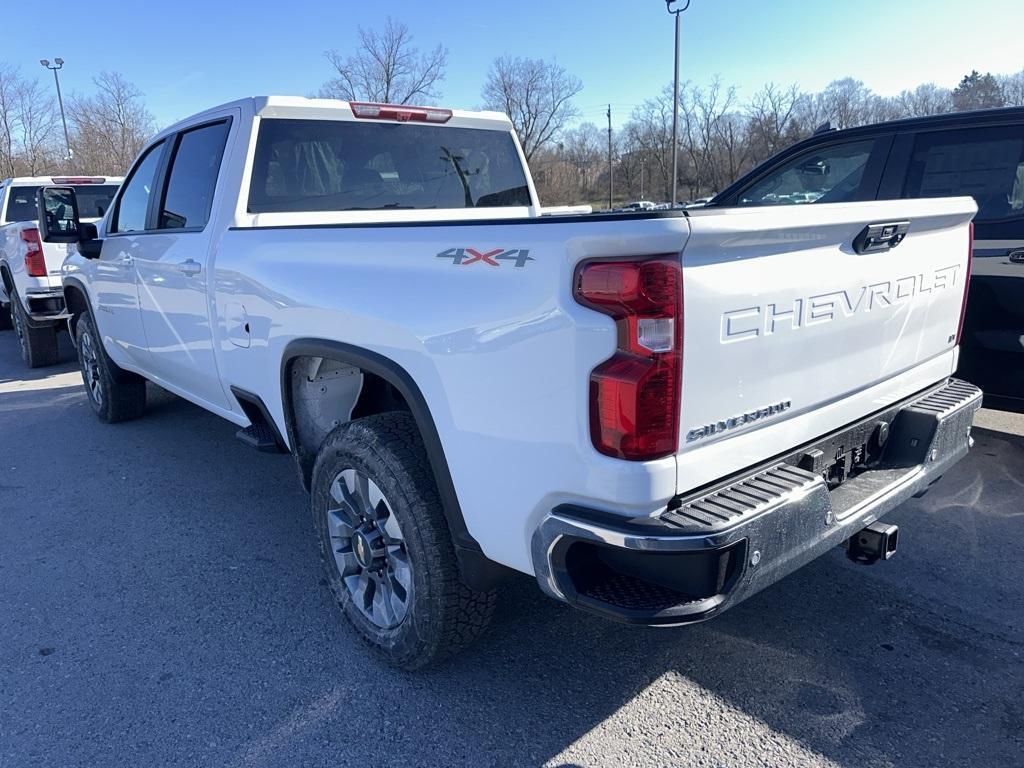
(114,394)
(38,344)
(385,544)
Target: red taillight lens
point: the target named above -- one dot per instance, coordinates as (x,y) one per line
(400,112)
(35,264)
(967,283)
(635,394)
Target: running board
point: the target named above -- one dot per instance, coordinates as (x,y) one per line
(261,437)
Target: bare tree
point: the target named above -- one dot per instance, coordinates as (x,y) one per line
(110,126)
(536,95)
(925,99)
(35,115)
(771,114)
(387,68)
(1012,87)
(10,83)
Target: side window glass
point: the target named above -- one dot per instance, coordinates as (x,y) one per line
(985,163)
(193,177)
(134,202)
(832,174)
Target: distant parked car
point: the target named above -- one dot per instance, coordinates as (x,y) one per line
(31,297)
(971,153)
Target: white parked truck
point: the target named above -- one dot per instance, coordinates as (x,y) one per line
(656,414)
(31,297)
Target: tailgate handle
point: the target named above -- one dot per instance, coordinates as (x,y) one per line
(875,238)
(1017,257)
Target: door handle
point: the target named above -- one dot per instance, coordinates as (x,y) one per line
(1016,257)
(190,267)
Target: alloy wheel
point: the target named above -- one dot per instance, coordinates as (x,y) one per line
(90,366)
(369,549)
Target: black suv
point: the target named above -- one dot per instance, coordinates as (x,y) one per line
(968,153)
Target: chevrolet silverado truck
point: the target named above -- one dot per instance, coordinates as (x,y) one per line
(654,414)
(31,296)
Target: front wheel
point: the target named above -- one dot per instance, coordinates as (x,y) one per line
(114,394)
(385,544)
(38,344)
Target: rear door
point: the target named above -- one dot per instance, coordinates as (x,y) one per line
(172,260)
(987,163)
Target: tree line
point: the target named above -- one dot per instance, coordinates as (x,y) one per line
(721,136)
(106,127)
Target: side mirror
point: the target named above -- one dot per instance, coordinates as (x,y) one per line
(815,168)
(57,208)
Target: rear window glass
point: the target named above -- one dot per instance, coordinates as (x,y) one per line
(332,165)
(985,163)
(93,201)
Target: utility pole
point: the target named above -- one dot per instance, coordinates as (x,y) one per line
(677,12)
(58,63)
(611,170)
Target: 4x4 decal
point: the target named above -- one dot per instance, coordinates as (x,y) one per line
(466,256)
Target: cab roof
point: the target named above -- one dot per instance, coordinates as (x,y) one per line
(301,107)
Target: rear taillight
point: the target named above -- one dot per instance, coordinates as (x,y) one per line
(635,394)
(35,264)
(400,112)
(967,283)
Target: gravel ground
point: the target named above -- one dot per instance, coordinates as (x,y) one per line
(160,604)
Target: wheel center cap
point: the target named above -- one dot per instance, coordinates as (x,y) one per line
(367,547)
(362,550)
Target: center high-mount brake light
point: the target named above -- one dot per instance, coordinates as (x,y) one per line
(400,112)
(78,180)
(967,283)
(35,264)
(635,394)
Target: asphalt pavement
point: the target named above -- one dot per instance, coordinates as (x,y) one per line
(161,604)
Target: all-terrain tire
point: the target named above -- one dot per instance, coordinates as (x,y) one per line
(114,393)
(444,615)
(38,344)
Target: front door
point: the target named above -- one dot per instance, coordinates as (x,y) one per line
(113,276)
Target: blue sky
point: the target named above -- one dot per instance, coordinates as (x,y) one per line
(187,55)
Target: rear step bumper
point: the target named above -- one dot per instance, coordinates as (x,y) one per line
(709,551)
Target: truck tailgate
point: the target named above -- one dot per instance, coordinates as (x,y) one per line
(784,318)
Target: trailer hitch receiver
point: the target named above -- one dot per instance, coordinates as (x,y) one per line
(873,543)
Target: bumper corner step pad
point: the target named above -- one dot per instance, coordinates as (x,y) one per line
(740,500)
(942,402)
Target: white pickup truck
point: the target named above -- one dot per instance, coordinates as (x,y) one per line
(31,297)
(654,414)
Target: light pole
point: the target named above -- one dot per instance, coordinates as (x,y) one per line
(611,168)
(677,12)
(58,63)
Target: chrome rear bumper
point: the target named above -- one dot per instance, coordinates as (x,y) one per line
(710,550)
